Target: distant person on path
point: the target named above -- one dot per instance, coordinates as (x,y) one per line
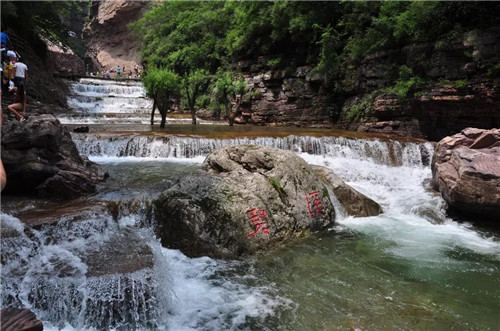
(118,71)
(21,73)
(19,104)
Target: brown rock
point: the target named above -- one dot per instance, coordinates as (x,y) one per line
(111,42)
(466,170)
(15,319)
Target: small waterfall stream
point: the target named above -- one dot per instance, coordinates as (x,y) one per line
(104,269)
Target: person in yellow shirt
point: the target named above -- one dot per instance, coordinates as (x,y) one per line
(8,69)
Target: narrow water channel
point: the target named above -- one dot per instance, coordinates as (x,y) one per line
(409,268)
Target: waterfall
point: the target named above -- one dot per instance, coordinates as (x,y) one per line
(102,267)
(388,152)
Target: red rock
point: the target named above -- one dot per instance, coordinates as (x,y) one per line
(15,319)
(466,170)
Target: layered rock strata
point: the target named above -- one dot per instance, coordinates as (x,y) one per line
(14,319)
(466,170)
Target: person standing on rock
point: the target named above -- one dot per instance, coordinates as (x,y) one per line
(21,74)
(118,70)
(19,104)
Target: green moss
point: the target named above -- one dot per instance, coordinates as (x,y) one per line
(461,83)
(358,110)
(277,186)
(326,194)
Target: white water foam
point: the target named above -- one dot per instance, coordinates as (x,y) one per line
(413,224)
(179,293)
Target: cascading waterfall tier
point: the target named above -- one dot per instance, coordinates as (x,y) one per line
(389,152)
(70,287)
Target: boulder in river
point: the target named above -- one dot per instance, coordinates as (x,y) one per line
(244,199)
(353,202)
(41,158)
(466,170)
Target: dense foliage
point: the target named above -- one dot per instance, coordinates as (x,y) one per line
(330,36)
(31,19)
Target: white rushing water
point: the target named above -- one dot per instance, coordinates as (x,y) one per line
(97,101)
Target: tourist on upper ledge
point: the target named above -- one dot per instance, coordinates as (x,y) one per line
(118,70)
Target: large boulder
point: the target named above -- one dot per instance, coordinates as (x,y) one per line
(41,158)
(244,199)
(353,202)
(466,170)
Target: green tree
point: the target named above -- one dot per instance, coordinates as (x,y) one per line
(187,38)
(229,93)
(194,83)
(161,85)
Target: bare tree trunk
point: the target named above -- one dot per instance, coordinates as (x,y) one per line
(163,118)
(230,116)
(153,111)
(193,115)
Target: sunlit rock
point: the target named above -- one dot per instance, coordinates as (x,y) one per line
(246,198)
(466,170)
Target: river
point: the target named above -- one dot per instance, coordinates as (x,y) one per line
(409,268)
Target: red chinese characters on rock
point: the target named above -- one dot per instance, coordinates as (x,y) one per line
(314,204)
(257,217)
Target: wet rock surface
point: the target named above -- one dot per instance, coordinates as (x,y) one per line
(466,170)
(15,319)
(245,199)
(354,203)
(40,157)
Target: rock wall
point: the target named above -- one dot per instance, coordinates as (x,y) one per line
(110,42)
(63,61)
(282,97)
(440,111)
(459,90)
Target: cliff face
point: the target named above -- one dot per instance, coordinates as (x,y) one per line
(461,89)
(285,98)
(110,42)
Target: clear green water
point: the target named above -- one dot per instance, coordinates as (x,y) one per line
(346,280)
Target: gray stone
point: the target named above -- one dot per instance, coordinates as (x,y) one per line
(217,211)
(40,158)
(354,203)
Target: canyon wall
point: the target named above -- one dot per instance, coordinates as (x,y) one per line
(458,87)
(110,42)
